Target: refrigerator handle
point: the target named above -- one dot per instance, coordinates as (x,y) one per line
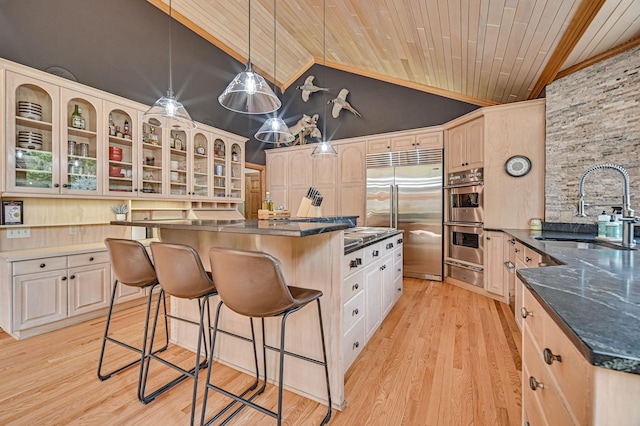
(395,207)
(391,204)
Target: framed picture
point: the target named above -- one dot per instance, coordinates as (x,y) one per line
(12,213)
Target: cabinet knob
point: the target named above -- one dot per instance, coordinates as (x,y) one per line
(549,356)
(524,313)
(527,259)
(516,250)
(534,384)
(42,265)
(355,287)
(66,185)
(56,185)
(72,277)
(375,253)
(356,345)
(488,237)
(91,259)
(355,312)
(63,278)
(355,262)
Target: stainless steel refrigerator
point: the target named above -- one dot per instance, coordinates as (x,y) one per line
(404,191)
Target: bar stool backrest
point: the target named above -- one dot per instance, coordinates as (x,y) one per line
(250,283)
(180,271)
(130,262)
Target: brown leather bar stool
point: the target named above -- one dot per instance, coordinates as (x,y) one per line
(131,265)
(182,275)
(252,284)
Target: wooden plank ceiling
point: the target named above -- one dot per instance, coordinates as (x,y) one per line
(484,52)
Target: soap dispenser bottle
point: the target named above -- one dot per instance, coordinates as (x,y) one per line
(603,219)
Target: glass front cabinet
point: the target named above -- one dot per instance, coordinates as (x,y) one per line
(64,141)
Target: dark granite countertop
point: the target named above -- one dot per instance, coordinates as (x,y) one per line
(286,228)
(594,296)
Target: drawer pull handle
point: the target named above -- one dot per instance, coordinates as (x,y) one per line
(524,313)
(91,259)
(375,253)
(63,278)
(399,269)
(516,250)
(355,262)
(72,277)
(534,384)
(549,356)
(355,312)
(527,259)
(355,287)
(356,345)
(42,265)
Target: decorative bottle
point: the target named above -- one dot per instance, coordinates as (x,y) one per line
(77,122)
(112,126)
(234,155)
(127,133)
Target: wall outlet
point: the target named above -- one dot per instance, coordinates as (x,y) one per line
(19,233)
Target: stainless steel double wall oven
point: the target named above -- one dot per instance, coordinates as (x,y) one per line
(465,251)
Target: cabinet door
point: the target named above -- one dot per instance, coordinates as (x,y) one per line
(152,179)
(179,146)
(403,143)
(219,168)
(455,149)
(236,171)
(475,143)
(519,302)
(32,140)
(373,296)
(397,273)
(82,154)
(352,166)
(200,181)
(493,260)
(429,140)
(278,178)
(88,288)
(121,167)
(301,169)
(39,299)
(388,284)
(379,145)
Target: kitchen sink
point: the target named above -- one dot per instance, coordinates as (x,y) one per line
(581,244)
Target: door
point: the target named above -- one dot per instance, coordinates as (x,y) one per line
(254,195)
(379,196)
(419,201)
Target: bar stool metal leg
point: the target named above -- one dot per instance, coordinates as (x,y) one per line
(106,338)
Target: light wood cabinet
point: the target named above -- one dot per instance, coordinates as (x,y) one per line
(493,264)
(277,171)
(405,142)
(464,148)
(372,283)
(89,282)
(352,180)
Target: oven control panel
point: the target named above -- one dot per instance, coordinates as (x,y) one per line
(466,177)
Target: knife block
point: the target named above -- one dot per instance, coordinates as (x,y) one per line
(307,210)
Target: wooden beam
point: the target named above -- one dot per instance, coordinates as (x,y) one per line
(627,45)
(585,14)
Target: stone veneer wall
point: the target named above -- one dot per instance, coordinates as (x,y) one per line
(593,117)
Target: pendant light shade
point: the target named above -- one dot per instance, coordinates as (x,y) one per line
(167,107)
(274,130)
(249,93)
(324,148)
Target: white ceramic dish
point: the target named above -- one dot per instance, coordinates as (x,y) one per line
(30,145)
(31,115)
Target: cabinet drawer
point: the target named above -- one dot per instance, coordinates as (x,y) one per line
(352,343)
(372,253)
(390,244)
(353,311)
(352,262)
(352,285)
(39,265)
(548,394)
(86,259)
(518,248)
(572,372)
(531,258)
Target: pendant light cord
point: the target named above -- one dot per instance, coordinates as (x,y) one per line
(249,53)
(324,64)
(170,42)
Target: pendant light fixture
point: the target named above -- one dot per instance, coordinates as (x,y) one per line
(167,107)
(248,92)
(274,129)
(324,148)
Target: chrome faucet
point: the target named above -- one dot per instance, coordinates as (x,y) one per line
(628,215)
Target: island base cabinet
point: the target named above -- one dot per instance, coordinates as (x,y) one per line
(88,288)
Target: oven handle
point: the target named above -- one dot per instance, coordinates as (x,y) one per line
(462,185)
(469,224)
(462,265)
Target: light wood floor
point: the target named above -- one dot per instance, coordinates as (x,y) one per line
(443,356)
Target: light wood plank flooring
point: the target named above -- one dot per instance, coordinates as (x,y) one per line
(443,356)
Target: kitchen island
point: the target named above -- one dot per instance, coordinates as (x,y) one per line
(311,253)
(591,301)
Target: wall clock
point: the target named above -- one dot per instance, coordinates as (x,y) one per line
(517,166)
